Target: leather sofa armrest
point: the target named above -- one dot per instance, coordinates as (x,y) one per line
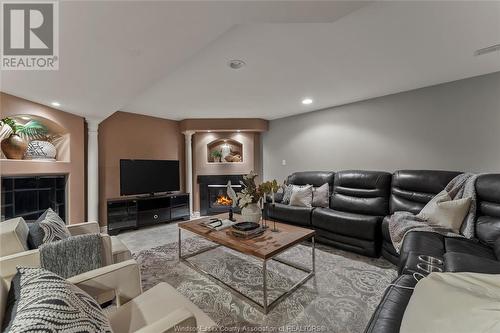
(463,262)
(9,263)
(123,278)
(390,311)
(181,320)
(84,228)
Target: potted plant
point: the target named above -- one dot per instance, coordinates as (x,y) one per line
(216,155)
(251,195)
(15,145)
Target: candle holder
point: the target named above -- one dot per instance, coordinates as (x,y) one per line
(274,229)
(264,220)
(231,216)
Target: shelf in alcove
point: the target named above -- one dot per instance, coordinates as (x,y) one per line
(30,161)
(33,167)
(229,163)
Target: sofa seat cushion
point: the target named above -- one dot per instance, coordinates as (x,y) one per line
(389,313)
(463,245)
(349,224)
(154,305)
(421,242)
(462,262)
(291,214)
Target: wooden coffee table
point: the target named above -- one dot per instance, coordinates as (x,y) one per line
(264,247)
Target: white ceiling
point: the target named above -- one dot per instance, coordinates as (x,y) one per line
(169,59)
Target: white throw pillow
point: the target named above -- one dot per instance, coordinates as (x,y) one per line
(445,212)
(302,196)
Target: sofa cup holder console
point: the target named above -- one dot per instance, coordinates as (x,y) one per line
(430,260)
(428,268)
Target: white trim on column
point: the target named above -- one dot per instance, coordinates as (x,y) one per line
(92,169)
(189,167)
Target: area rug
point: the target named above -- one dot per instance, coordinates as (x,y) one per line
(339,299)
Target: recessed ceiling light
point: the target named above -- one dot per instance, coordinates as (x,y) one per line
(56,104)
(236,64)
(209,131)
(307,101)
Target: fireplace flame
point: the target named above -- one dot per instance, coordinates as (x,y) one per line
(224,200)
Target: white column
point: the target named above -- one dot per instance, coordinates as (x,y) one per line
(189,168)
(92,170)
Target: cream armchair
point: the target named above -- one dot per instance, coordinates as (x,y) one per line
(14,239)
(160,309)
(14,249)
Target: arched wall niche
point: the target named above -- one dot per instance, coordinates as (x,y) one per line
(225,150)
(56,134)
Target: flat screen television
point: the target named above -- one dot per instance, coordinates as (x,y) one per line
(148,176)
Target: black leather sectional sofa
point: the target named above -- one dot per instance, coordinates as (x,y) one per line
(357,220)
(358,203)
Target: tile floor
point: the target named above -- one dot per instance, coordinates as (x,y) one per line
(153,236)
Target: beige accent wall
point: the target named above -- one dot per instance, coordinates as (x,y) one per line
(74,167)
(251,157)
(131,136)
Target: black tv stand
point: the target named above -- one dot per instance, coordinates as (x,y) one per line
(133,212)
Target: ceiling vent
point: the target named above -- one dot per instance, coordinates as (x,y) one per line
(488,49)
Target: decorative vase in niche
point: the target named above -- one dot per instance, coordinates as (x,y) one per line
(14,147)
(40,150)
(251,213)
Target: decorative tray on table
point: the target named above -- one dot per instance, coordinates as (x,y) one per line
(246,229)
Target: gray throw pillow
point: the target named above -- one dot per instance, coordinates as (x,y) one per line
(35,234)
(302,196)
(287,193)
(53,227)
(321,196)
(41,301)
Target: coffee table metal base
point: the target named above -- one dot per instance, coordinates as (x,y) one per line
(264,307)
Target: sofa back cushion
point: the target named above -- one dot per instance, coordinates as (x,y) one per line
(488,208)
(361,192)
(314,178)
(411,190)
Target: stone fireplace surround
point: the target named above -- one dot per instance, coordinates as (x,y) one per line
(212,186)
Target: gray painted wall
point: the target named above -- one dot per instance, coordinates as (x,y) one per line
(452,126)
